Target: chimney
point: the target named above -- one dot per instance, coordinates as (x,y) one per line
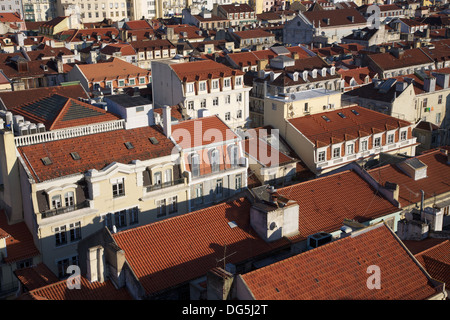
(442,79)
(429,84)
(95,264)
(275,217)
(218,284)
(167,121)
(262,64)
(434,217)
(394,188)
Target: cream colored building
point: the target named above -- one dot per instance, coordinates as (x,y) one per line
(94,11)
(105,183)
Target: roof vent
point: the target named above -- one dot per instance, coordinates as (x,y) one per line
(75,156)
(153,140)
(46,161)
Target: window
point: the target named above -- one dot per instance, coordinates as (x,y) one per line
(190,87)
(440,99)
(121,83)
(190,105)
(216,101)
(168,175)
(226,82)
(239,114)
(118,188)
(202,86)
(239,97)
(215,167)
(438,118)
(215,84)
(274,106)
(60,236)
(141,80)
(160,208)
(68,199)
(120,218)
(227,116)
(227,99)
(56,202)
(350,148)
(131,82)
(195,165)
(238,180)
(234,156)
(390,138)
(238,81)
(403,135)
(425,102)
(203,103)
(219,188)
(337,152)
(173,204)
(139,109)
(321,156)
(364,145)
(75,231)
(133,214)
(199,194)
(24,263)
(377,142)
(64,264)
(157,179)
(306,107)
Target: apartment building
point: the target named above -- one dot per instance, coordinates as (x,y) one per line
(329,140)
(238,13)
(39,10)
(150,50)
(216,169)
(202,86)
(94,11)
(108,76)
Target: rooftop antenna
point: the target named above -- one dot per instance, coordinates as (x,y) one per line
(224,256)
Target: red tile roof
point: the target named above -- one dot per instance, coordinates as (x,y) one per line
(339,271)
(45,51)
(254,33)
(191,31)
(202,70)
(19,241)
(115,69)
(338,129)
(195,241)
(201,132)
(36,276)
(338,17)
(435,183)
(138,24)
(10,17)
(326,201)
(436,261)
(411,57)
(232,8)
(259,150)
(96,151)
(14,99)
(65,112)
(88,291)
(124,48)
(358,74)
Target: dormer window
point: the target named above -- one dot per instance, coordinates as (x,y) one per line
(238,81)
(190,88)
(226,83)
(403,135)
(337,152)
(215,84)
(202,86)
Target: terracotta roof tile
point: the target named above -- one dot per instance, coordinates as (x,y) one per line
(115,69)
(411,57)
(436,182)
(338,17)
(14,99)
(19,241)
(436,260)
(36,276)
(124,48)
(326,201)
(88,291)
(338,271)
(254,33)
(96,151)
(58,112)
(137,24)
(322,132)
(195,241)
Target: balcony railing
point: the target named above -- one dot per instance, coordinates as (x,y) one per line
(165,185)
(58,211)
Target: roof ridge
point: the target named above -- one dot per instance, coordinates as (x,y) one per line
(420,254)
(59,115)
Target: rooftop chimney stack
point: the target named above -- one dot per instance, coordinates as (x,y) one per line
(167,121)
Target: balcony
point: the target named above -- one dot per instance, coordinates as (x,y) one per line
(165,185)
(58,211)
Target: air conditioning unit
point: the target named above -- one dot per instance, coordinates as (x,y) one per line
(318,239)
